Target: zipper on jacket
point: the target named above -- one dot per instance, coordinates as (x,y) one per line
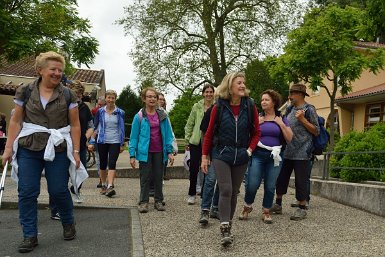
(236,137)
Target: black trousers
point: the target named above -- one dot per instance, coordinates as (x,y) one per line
(195,162)
(301,171)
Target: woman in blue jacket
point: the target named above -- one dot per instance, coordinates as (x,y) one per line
(151,144)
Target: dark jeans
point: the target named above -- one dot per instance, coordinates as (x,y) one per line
(31,165)
(301,171)
(210,195)
(108,154)
(195,161)
(153,166)
(229,180)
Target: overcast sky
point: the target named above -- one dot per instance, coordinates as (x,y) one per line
(114,46)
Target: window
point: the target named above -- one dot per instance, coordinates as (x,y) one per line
(374,113)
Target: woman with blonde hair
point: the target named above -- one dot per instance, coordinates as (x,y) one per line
(44,133)
(233,133)
(109,125)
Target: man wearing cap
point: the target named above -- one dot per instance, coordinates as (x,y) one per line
(298,152)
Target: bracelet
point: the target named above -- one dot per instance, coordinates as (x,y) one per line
(76,151)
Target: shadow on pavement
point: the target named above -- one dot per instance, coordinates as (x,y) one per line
(100,232)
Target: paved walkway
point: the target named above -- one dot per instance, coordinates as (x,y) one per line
(331,229)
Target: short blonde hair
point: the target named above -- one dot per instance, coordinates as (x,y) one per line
(145,90)
(43,58)
(223,90)
(111,92)
(77,87)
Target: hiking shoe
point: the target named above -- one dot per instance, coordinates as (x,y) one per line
(78,198)
(99,185)
(245,212)
(55,216)
(299,214)
(143,207)
(266,218)
(204,220)
(69,231)
(110,192)
(159,206)
(191,200)
(276,209)
(227,238)
(103,190)
(28,244)
(214,213)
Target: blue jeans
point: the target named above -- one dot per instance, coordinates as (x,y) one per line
(31,165)
(210,194)
(261,166)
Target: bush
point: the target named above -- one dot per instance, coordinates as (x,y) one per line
(371,140)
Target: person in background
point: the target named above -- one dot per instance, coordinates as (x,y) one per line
(298,152)
(86,127)
(210,193)
(42,107)
(230,138)
(3,130)
(266,161)
(193,137)
(151,144)
(100,103)
(109,126)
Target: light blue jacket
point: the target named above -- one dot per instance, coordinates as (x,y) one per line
(100,120)
(140,136)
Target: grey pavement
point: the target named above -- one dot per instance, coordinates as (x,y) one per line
(330,229)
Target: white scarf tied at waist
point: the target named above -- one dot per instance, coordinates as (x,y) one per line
(57,136)
(275,152)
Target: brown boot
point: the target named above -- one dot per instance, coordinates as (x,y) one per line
(245,212)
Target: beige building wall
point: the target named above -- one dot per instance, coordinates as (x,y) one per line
(321,101)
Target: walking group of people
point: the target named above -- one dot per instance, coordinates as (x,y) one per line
(229,141)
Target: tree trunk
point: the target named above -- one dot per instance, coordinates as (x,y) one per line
(332,114)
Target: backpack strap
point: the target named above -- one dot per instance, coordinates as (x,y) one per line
(67,95)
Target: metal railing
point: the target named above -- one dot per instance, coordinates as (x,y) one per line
(326,162)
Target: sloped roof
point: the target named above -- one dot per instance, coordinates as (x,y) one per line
(372,45)
(371,91)
(25,68)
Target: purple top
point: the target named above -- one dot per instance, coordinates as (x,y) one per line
(155,135)
(270,132)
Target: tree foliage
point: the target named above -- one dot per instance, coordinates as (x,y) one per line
(130,103)
(181,111)
(323,47)
(187,43)
(28,27)
(258,79)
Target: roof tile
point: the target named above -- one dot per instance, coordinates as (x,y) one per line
(379,89)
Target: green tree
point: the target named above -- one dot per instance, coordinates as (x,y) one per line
(181,111)
(130,103)
(323,48)
(185,44)
(28,27)
(258,79)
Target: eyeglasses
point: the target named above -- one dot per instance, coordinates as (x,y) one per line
(151,96)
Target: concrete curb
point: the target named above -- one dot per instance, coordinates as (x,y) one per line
(137,244)
(367,197)
(176,172)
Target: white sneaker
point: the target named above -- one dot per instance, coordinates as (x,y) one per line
(78,198)
(191,199)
